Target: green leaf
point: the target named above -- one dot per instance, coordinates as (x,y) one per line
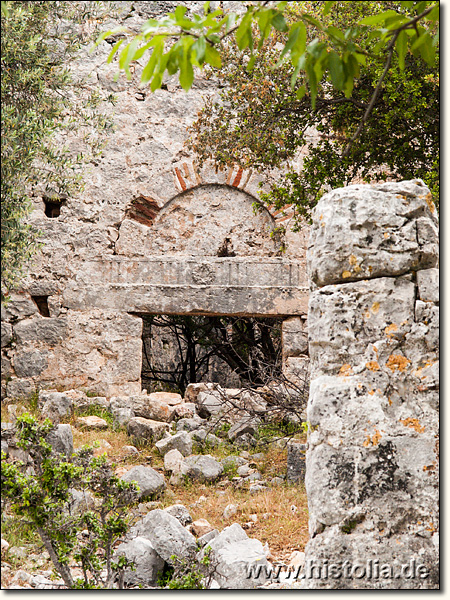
(147,73)
(312,21)
(180,12)
(251,62)
(336,69)
(279,22)
(244,32)
(379,18)
(114,50)
(401,45)
(206,6)
(327,7)
(212,57)
(186,71)
(334,32)
(301,92)
(296,40)
(199,47)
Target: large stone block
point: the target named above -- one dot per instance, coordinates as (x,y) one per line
(344,319)
(30,364)
(363,231)
(46,330)
(167,535)
(294,337)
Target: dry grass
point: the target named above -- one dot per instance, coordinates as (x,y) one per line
(281,511)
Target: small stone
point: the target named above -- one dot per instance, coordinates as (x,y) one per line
(247,425)
(129,450)
(229,511)
(259,456)
(243,471)
(167,398)
(149,481)
(256,488)
(173,460)
(254,476)
(21,577)
(207,537)
(91,422)
(4,546)
(180,512)
(245,454)
(201,467)
(201,527)
(181,441)
(145,430)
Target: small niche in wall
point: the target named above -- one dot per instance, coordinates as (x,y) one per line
(52,207)
(42,305)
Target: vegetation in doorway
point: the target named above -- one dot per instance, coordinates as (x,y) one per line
(249,347)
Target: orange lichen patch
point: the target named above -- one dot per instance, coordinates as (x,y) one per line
(396,362)
(386,235)
(413,423)
(390,401)
(430,203)
(367,314)
(372,365)
(431,527)
(419,371)
(352,260)
(375,349)
(390,329)
(346,274)
(370,269)
(371,392)
(321,217)
(375,307)
(357,269)
(345,371)
(374,440)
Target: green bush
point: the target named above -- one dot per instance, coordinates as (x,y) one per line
(43,495)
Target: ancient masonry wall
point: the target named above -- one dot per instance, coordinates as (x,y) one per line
(152,232)
(371,467)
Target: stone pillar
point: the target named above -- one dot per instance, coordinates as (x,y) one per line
(372,459)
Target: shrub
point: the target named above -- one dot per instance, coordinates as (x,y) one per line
(44,495)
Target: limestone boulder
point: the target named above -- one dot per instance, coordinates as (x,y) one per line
(153,407)
(150,482)
(180,512)
(148,564)
(91,422)
(61,440)
(241,565)
(203,468)
(190,423)
(363,231)
(166,534)
(172,461)
(146,430)
(81,502)
(168,398)
(247,424)
(181,441)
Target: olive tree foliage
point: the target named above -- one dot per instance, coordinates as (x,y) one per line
(364,74)
(42,106)
(42,494)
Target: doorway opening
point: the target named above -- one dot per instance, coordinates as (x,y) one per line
(231,351)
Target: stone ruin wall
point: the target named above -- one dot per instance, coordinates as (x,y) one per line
(152,232)
(373,449)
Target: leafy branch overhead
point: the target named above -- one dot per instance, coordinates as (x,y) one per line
(178,43)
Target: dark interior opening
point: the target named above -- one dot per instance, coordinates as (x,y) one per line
(42,305)
(52,207)
(230,351)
